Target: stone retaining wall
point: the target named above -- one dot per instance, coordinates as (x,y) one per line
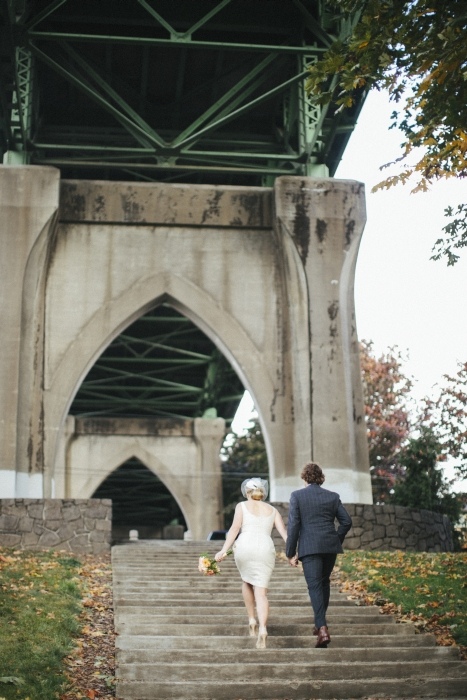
(392,527)
(76,525)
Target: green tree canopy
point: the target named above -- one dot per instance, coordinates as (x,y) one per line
(418,52)
(423,485)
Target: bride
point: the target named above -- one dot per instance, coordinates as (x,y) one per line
(254,551)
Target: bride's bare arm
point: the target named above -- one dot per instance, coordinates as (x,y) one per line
(232,533)
(280,527)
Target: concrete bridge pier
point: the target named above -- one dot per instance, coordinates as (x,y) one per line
(267,274)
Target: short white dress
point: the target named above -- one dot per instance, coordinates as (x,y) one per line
(254,550)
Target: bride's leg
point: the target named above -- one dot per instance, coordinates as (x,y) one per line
(262,607)
(249,600)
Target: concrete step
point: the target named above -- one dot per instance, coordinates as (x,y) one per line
(184,636)
(267,672)
(237,616)
(292,689)
(308,655)
(227,602)
(126,626)
(156,643)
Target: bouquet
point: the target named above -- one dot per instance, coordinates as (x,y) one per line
(208,566)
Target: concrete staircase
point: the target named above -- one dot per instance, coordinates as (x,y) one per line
(184,635)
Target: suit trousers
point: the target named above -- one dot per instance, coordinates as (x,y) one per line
(317,569)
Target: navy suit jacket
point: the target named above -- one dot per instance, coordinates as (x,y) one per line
(312,514)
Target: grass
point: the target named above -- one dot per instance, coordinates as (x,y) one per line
(426,588)
(40,600)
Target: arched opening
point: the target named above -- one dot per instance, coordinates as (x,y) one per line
(140,501)
(162,366)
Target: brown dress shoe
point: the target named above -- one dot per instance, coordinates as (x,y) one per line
(323,638)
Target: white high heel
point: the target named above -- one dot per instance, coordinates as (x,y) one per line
(261,643)
(252,627)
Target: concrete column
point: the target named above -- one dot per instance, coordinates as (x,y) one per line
(325,218)
(29,198)
(207,492)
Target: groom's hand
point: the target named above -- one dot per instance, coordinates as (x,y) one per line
(293,561)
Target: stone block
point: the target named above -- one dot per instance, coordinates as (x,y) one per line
(356,532)
(368,512)
(79,543)
(100,547)
(90,523)
(379,531)
(48,539)
(383,518)
(416,516)
(65,532)
(35,510)
(357,521)
(367,537)
(97,536)
(105,525)
(8,523)
(52,511)
(25,524)
(9,540)
(352,543)
(52,524)
(398,542)
(71,512)
(38,527)
(392,531)
(13,508)
(30,538)
(97,510)
(378,544)
(5,502)
(358,510)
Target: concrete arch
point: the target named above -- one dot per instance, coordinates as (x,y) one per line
(97,334)
(184,456)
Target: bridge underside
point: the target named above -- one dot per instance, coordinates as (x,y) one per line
(210,91)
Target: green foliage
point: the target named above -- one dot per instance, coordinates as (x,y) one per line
(418,52)
(39,607)
(446,415)
(427,587)
(423,485)
(242,456)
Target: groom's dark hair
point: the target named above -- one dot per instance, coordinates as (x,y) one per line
(312,474)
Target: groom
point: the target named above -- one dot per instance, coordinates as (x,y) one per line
(312,512)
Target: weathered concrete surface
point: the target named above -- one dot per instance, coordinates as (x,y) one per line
(266,274)
(28,204)
(183,454)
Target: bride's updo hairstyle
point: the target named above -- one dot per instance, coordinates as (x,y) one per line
(312,474)
(257,489)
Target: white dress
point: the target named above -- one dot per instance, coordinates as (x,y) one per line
(254,550)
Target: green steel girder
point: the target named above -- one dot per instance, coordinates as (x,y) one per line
(162,365)
(165,85)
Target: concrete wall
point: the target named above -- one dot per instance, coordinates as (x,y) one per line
(74,525)
(267,274)
(183,454)
(386,528)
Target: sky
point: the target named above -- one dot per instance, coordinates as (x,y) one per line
(402,298)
